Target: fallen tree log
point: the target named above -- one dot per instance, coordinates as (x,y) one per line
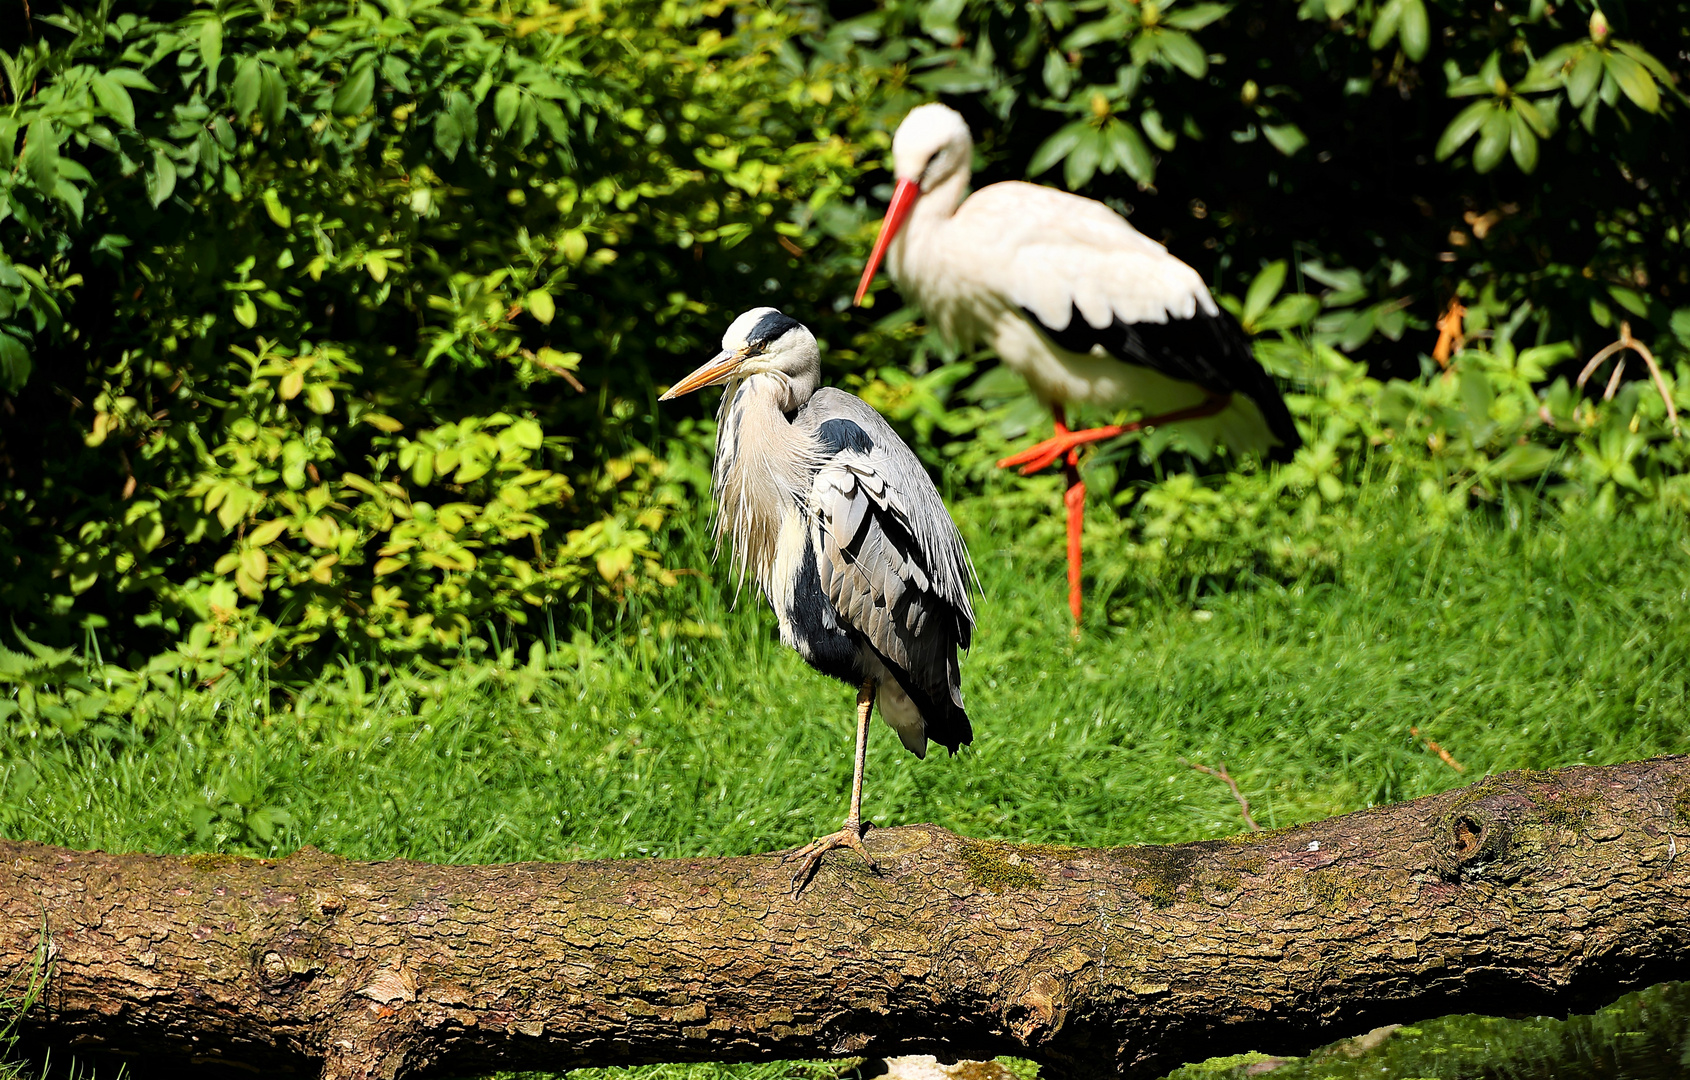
(1524,892)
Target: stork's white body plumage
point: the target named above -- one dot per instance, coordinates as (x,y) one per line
(979,268)
(1085,307)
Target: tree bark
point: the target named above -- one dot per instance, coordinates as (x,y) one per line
(1524,892)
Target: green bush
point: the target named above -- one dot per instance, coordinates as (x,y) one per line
(341,325)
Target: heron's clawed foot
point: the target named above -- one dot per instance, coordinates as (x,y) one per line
(1045,454)
(850,835)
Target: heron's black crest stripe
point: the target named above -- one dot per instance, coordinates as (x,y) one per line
(769,329)
(1206,350)
(838,435)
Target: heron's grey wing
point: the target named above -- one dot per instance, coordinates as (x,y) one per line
(885,583)
(843,423)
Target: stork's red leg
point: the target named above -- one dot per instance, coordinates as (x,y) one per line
(1044,454)
(1066,444)
(1075,500)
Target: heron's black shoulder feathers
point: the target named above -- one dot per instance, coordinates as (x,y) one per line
(842,434)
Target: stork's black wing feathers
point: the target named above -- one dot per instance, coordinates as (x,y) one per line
(1206,350)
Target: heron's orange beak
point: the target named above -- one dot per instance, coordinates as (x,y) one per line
(718,369)
(903,198)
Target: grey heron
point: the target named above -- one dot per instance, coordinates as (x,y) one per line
(843,531)
(1088,309)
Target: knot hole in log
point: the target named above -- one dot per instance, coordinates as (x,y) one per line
(1472,841)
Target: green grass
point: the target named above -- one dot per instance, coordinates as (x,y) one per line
(1553,645)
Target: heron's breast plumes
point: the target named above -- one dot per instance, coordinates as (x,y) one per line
(761,480)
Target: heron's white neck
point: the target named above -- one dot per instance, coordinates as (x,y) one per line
(761,474)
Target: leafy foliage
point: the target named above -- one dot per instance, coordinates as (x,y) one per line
(355,309)
(329,327)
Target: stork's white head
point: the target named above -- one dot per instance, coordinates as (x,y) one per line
(762,342)
(930,146)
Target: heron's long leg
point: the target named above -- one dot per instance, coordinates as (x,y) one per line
(850,833)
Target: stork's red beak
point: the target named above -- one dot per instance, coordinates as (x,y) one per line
(903,198)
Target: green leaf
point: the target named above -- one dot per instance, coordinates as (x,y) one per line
(506,104)
(1385,25)
(1286,138)
(1195,17)
(1631,300)
(131,78)
(1291,311)
(279,213)
(1415,30)
(1057,147)
(1534,116)
(319,399)
(462,111)
(1088,34)
(355,92)
(1494,136)
(1466,122)
(1635,80)
(1182,50)
(272,98)
(1058,76)
(41,156)
(1263,289)
(1129,152)
(541,306)
(1656,68)
(114,99)
(15,363)
(1521,142)
(1582,80)
(211,49)
(248,80)
(448,136)
(1151,121)
(960,79)
(161,180)
(267,532)
(1082,162)
(246,312)
(1524,461)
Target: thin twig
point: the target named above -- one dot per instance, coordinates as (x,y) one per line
(1438,750)
(1626,341)
(568,376)
(1243,803)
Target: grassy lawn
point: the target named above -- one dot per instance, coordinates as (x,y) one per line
(689,730)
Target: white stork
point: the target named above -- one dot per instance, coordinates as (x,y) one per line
(1084,306)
